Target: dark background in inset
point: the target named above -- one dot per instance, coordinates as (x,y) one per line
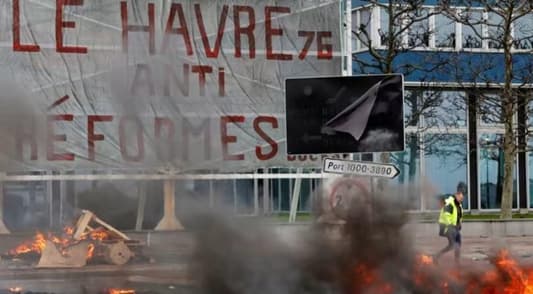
(311,102)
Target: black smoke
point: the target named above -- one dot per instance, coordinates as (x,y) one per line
(370,253)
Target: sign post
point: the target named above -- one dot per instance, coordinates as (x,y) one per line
(360,168)
(3,228)
(295,198)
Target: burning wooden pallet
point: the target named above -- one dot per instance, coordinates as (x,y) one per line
(90,238)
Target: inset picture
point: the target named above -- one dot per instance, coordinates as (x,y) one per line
(346,114)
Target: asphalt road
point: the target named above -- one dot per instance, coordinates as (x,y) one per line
(478,251)
(167,273)
(144,278)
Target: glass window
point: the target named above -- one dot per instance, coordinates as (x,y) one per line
(29,208)
(495,30)
(281,191)
(383,29)
(365,30)
(490,109)
(355,24)
(445,167)
(523,32)
(199,189)
(491,172)
(472,31)
(418,35)
(529,113)
(408,162)
(445,109)
(444,32)
(245,194)
(224,192)
(305,200)
(411,106)
(384,26)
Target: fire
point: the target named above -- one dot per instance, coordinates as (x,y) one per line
(62,242)
(504,276)
(507,277)
(99,234)
(36,245)
(366,275)
(369,279)
(69,231)
(517,280)
(90,251)
(121,291)
(425,259)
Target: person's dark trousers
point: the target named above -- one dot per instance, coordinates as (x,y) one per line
(457,246)
(454,242)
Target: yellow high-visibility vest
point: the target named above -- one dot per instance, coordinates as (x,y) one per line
(449,212)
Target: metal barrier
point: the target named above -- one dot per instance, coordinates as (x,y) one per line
(268,186)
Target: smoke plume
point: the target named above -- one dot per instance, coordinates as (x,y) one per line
(370,251)
(237,256)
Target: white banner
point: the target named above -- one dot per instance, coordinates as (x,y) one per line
(99,84)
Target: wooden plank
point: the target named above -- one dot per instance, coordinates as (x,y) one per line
(110,228)
(82,224)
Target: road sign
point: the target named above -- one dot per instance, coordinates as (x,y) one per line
(345,114)
(360,168)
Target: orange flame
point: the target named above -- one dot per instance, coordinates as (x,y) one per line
(36,245)
(69,231)
(370,280)
(519,280)
(506,277)
(99,234)
(425,259)
(90,251)
(39,242)
(121,291)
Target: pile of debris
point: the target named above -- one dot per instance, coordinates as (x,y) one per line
(90,239)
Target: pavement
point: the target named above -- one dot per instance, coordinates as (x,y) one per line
(97,279)
(477,251)
(166,271)
(162,269)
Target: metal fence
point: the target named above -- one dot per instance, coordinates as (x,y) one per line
(42,201)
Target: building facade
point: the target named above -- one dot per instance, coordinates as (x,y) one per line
(454,74)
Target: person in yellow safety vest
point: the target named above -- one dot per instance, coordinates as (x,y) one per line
(450,219)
